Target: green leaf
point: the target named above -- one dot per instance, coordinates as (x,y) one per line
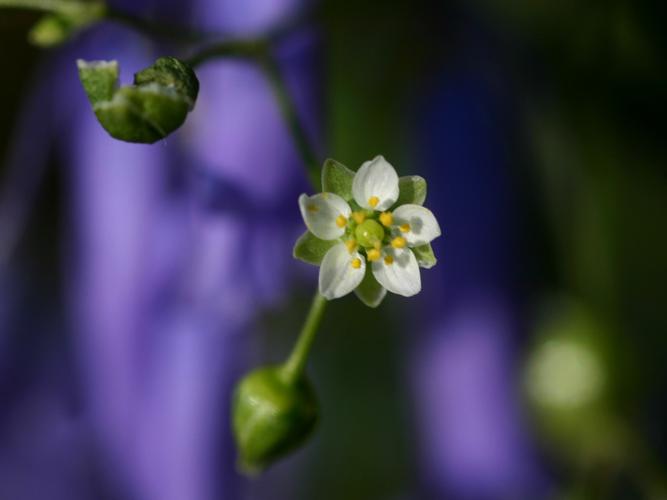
(412,189)
(425,256)
(50,30)
(152,108)
(337,179)
(309,248)
(370,292)
(64,18)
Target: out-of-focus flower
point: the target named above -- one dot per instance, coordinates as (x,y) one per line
(355,224)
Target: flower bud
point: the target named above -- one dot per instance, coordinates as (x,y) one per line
(271,415)
(149,110)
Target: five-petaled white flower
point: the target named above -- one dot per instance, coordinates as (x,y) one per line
(371,232)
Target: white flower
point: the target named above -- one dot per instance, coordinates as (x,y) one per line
(368,233)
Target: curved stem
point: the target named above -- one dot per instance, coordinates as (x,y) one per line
(289,112)
(259,52)
(295,364)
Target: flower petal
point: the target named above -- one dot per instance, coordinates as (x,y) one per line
(398,271)
(341,272)
(320,212)
(417,224)
(376,180)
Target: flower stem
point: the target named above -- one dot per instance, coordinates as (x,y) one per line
(295,364)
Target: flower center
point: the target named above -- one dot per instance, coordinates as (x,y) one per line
(369,233)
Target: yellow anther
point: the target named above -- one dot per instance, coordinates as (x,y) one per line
(358,217)
(387,219)
(341,221)
(399,242)
(373,254)
(373,201)
(312,207)
(404,227)
(351,245)
(389,260)
(356,263)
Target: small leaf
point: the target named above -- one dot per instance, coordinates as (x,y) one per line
(425,256)
(309,248)
(370,292)
(337,179)
(412,189)
(50,30)
(64,19)
(147,111)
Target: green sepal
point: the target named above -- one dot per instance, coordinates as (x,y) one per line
(425,256)
(271,415)
(337,179)
(369,291)
(412,190)
(311,249)
(99,79)
(152,108)
(171,73)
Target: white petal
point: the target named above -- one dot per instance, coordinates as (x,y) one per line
(320,212)
(400,276)
(423,226)
(376,178)
(338,276)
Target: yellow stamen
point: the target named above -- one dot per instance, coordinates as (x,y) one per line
(389,260)
(341,221)
(404,228)
(373,201)
(399,242)
(351,245)
(358,217)
(387,219)
(373,254)
(356,263)
(377,244)
(312,208)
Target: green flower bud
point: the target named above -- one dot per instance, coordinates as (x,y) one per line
(368,233)
(271,415)
(149,110)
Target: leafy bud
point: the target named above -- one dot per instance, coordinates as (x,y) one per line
(149,110)
(271,415)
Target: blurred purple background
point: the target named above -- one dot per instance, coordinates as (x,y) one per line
(139,282)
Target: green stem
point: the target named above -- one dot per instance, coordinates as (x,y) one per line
(156,30)
(289,112)
(295,364)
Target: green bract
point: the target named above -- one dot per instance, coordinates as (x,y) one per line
(271,415)
(149,110)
